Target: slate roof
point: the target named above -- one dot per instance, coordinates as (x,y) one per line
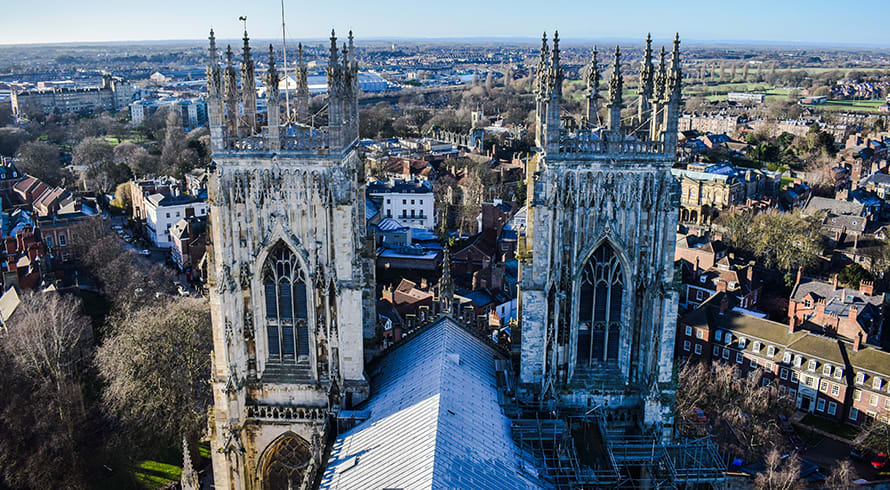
(835,206)
(434,421)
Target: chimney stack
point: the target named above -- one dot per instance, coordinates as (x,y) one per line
(834,281)
(867,288)
(857,342)
(724,304)
(721,285)
(792,323)
(799,275)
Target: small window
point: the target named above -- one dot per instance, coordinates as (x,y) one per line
(697,349)
(835,390)
(688,331)
(832,408)
(756,347)
(771,351)
(739,358)
(857,395)
(838,373)
(168,215)
(876,382)
(783,373)
(63,241)
(716,350)
(752,363)
(718,337)
(786,358)
(860,378)
(795,377)
(783,389)
(809,381)
(699,334)
(798,360)
(826,370)
(820,405)
(726,353)
(854,414)
(811,366)
(823,386)
(742,342)
(873,400)
(686,345)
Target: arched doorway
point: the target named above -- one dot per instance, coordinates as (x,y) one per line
(285,462)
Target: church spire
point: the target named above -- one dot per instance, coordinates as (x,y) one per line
(674,89)
(302,87)
(659,98)
(552,101)
(230,95)
(541,81)
(593,89)
(248,87)
(616,85)
(646,82)
(214,96)
(273,103)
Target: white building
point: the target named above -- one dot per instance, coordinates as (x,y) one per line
(192,112)
(409,203)
(162,212)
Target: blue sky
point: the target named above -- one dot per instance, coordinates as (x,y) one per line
(813,21)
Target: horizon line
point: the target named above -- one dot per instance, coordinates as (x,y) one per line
(479,39)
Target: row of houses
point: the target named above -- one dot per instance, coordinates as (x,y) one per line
(844,380)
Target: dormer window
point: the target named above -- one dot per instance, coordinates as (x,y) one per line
(838,373)
(771,351)
(826,370)
(860,378)
(811,366)
(718,337)
(756,347)
(876,383)
(742,342)
(798,360)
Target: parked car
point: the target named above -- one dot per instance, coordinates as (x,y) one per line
(699,416)
(144,252)
(879,462)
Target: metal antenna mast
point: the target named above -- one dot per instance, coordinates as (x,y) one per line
(286,82)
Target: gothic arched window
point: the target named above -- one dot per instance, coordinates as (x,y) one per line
(599,314)
(284,288)
(286,462)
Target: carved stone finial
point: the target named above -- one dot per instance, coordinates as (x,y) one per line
(616,81)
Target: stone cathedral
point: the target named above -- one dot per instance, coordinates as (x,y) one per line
(598,304)
(291,287)
(292,292)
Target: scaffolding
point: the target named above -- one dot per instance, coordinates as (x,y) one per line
(609,460)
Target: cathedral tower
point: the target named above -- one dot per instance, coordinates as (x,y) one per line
(598,297)
(289,278)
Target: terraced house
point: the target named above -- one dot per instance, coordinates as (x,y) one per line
(832,377)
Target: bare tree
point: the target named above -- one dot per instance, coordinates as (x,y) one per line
(841,476)
(157,365)
(49,337)
(781,473)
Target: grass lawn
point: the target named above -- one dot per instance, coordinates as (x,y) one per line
(154,474)
(841,430)
(850,105)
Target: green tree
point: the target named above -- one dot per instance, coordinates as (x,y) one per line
(853,274)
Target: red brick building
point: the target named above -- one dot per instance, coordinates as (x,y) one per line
(842,380)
